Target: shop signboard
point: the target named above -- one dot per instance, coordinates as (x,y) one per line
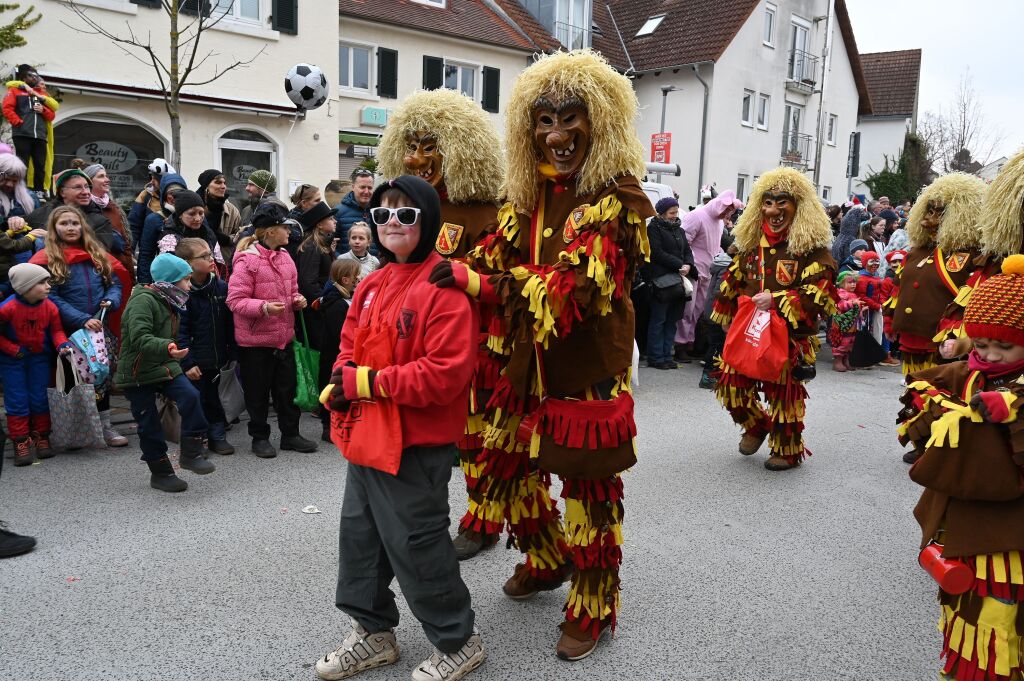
(115,157)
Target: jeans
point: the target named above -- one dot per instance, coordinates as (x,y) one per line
(151,432)
(210,400)
(661,332)
(397,526)
(267,371)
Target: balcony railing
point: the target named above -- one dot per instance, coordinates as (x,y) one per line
(572,37)
(803,71)
(796,150)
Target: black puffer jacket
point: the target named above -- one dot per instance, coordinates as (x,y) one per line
(669,249)
(207,328)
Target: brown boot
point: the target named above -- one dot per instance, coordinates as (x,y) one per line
(778,463)
(574,643)
(42,443)
(749,444)
(23,455)
(838,364)
(912,455)
(522,585)
(468,543)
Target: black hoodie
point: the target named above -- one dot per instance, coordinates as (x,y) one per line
(424,197)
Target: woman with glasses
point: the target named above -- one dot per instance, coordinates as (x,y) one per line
(263,295)
(73,188)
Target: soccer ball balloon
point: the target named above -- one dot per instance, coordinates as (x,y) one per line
(306,86)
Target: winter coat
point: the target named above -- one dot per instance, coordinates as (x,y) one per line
(25,122)
(207,327)
(119,221)
(144,204)
(295,237)
(153,227)
(899,241)
(333,310)
(719,266)
(79,298)
(869,289)
(9,247)
(174,231)
(223,218)
(347,214)
(31,327)
(850,264)
(848,230)
(259,276)
(101,227)
(670,250)
(149,325)
(314,267)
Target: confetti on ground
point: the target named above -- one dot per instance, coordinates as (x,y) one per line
(74,579)
(284,510)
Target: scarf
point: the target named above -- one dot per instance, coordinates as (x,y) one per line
(773,237)
(177,297)
(101,202)
(991,369)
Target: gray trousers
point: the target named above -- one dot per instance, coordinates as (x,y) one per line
(397,526)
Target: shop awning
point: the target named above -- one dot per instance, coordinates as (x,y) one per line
(357,138)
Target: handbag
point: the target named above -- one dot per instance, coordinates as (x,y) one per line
(75,420)
(757,344)
(866,351)
(170,418)
(307,368)
(669,288)
(229,390)
(91,355)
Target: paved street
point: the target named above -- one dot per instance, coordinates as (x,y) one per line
(731,572)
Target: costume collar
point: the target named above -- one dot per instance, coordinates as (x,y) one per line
(771,236)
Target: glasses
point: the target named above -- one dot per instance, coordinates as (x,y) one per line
(362,173)
(204,256)
(406,216)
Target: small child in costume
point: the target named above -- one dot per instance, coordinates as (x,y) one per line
(32,330)
(966,420)
(843,327)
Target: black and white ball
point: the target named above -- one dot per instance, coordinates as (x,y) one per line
(306,86)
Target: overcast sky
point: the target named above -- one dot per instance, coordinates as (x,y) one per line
(985,35)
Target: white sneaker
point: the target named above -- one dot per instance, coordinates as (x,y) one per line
(358,652)
(451,667)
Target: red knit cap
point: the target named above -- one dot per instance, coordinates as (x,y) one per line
(868,256)
(996,308)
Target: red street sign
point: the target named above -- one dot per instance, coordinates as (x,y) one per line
(661,147)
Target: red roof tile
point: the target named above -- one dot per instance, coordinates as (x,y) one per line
(537,33)
(467,19)
(893,79)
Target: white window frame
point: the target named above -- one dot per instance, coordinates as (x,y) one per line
(651,25)
(431,3)
(826,193)
(762,98)
(369,92)
(771,20)
(747,118)
(463,64)
(742,186)
(234,16)
(221,143)
(832,130)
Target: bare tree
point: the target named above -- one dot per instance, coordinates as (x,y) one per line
(183,65)
(959,138)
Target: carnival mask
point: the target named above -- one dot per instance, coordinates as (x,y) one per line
(932,217)
(561,131)
(423,158)
(778,208)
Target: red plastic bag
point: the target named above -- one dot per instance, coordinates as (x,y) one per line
(757,345)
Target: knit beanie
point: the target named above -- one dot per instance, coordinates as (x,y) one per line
(845,274)
(186,200)
(205,178)
(92,170)
(996,308)
(867,256)
(858,244)
(63,176)
(312,217)
(264,180)
(664,204)
(893,254)
(267,215)
(168,267)
(26,275)
(424,197)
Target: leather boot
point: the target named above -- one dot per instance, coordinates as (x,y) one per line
(42,443)
(23,455)
(163,477)
(192,456)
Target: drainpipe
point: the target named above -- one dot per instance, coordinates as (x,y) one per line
(621,41)
(826,62)
(703,129)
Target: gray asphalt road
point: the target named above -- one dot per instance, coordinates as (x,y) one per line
(731,572)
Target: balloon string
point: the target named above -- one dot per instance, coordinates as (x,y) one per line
(292,127)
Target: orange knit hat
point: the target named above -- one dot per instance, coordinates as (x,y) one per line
(996,308)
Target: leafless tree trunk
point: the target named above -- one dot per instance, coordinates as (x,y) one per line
(181,66)
(959,138)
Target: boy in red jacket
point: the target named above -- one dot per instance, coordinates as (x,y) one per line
(408,350)
(32,330)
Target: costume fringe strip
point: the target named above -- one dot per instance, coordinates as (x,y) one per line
(1000,575)
(918,361)
(588,424)
(593,526)
(981,639)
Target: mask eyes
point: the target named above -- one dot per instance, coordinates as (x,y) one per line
(546,119)
(569,119)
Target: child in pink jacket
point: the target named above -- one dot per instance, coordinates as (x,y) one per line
(263,294)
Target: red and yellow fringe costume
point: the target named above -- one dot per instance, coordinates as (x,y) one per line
(809,296)
(540,304)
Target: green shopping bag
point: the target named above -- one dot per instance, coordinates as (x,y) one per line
(307,368)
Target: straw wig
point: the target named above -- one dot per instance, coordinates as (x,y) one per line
(961,194)
(470,148)
(811,226)
(611,106)
(1002,211)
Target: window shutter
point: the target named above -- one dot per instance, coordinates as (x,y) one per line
(147,3)
(191,7)
(285,15)
(387,73)
(433,73)
(492,81)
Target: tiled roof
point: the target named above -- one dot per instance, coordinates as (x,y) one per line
(893,79)
(538,34)
(467,19)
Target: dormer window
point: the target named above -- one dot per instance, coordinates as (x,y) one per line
(432,3)
(650,25)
